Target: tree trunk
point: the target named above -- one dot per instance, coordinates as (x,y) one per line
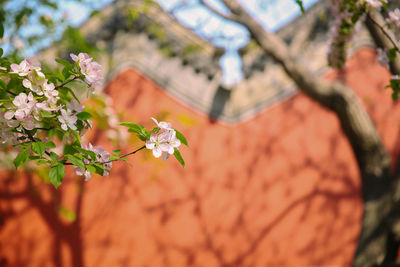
(375,245)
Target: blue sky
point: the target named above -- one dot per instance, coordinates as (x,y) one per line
(272,14)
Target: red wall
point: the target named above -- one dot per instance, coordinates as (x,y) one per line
(281,189)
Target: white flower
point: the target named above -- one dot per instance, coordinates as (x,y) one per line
(67,120)
(90,69)
(80,172)
(173,142)
(101,155)
(162,124)
(22,69)
(74,106)
(382,57)
(24,104)
(36,81)
(158,142)
(28,123)
(81,57)
(375,3)
(163,142)
(92,72)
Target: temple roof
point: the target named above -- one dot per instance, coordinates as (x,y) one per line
(145,37)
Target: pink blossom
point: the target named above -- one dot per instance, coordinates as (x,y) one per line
(81,57)
(24,104)
(28,123)
(382,57)
(67,120)
(162,124)
(80,172)
(74,106)
(92,73)
(90,69)
(163,142)
(158,143)
(375,3)
(22,69)
(394,18)
(36,81)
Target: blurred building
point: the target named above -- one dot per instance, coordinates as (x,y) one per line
(270,178)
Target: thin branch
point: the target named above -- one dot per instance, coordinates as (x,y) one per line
(385,32)
(66,82)
(215,11)
(11,93)
(123,156)
(128,154)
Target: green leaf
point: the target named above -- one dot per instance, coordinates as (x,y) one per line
(21,158)
(392,54)
(42,161)
(395,85)
(178,157)
(84,115)
(73,94)
(300,3)
(114,157)
(38,147)
(3,85)
(46,114)
(49,144)
(181,137)
(1,52)
(76,161)
(96,168)
(117,152)
(142,132)
(1,30)
(57,174)
(66,63)
(130,125)
(54,156)
(85,152)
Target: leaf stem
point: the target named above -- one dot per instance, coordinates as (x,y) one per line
(130,153)
(66,82)
(123,156)
(11,93)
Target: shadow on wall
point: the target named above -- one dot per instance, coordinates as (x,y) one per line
(281,189)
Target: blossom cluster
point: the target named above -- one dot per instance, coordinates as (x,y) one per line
(89,68)
(39,109)
(348,17)
(101,156)
(25,110)
(164,141)
(346,24)
(393,22)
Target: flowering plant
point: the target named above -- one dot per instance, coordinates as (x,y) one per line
(40,115)
(348,16)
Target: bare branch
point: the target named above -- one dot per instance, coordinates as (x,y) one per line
(301,37)
(383,37)
(215,11)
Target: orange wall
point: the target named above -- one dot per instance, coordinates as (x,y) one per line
(281,189)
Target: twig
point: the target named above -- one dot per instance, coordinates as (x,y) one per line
(66,82)
(218,13)
(131,153)
(11,93)
(123,156)
(385,32)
